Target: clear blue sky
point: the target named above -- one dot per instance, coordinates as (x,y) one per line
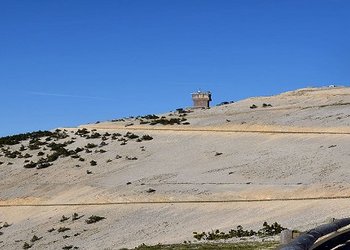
(65,63)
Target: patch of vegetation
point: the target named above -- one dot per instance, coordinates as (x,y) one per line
(101,151)
(12,154)
(44,165)
(15,139)
(64,218)
(93,163)
(59,150)
(94,218)
(183,111)
(76,216)
(266,105)
(35,238)
(26,245)
(150,117)
(63,229)
(144,122)
(27,155)
(94,135)
(224,103)
(146,138)
(91,145)
(118,120)
(267,230)
(253,106)
(82,132)
(131,158)
(165,121)
(150,190)
(6,224)
(30,165)
(131,135)
(78,150)
(70,247)
(212,246)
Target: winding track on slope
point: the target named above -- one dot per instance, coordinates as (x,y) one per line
(221,130)
(171,202)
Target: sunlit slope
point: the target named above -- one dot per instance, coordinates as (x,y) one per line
(195,165)
(305,110)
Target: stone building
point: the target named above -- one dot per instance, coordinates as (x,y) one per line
(201,99)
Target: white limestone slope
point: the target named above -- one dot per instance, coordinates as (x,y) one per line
(296,149)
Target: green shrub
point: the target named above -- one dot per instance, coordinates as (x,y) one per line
(150,117)
(44,165)
(76,216)
(63,229)
(94,218)
(131,135)
(82,132)
(94,136)
(64,218)
(91,145)
(267,230)
(26,245)
(35,238)
(30,165)
(146,138)
(15,139)
(27,156)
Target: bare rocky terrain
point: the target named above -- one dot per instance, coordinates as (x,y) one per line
(158,178)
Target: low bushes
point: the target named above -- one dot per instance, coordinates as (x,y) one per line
(267,230)
(94,218)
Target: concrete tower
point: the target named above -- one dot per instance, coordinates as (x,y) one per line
(201,99)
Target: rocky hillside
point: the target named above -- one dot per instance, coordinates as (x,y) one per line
(158,178)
